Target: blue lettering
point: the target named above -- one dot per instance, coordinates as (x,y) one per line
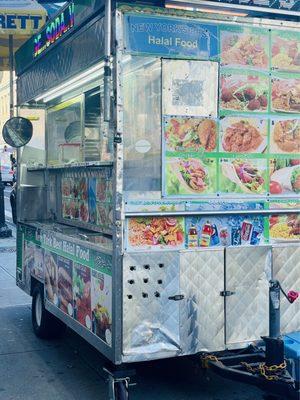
(36,19)
(2,21)
(23,19)
(10,24)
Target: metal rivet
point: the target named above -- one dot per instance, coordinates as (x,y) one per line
(159,281)
(145,280)
(131,281)
(129,296)
(144,295)
(156,294)
(161,265)
(147,266)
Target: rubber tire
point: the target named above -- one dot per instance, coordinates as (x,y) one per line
(50,326)
(121,391)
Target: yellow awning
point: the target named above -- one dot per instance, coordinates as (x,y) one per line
(20,18)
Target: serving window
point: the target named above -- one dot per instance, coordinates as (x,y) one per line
(77,132)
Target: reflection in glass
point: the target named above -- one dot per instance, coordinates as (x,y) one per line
(142,124)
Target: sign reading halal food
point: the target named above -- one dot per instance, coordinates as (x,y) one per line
(54,30)
(161,35)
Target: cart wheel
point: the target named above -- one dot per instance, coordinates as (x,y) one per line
(45,325)
(121,390)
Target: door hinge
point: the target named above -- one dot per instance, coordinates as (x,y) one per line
(226,293)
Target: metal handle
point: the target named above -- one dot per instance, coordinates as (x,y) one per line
(177,297)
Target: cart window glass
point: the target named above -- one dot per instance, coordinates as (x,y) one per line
(64,126)
(33,154)
(142,124)
(97,134)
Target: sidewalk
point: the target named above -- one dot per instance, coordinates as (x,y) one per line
(10,295)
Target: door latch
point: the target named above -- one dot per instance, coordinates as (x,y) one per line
(226,293)
(177,297)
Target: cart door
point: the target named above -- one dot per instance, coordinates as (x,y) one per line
(202,308)
(150,311)
(286,269)
(247,272)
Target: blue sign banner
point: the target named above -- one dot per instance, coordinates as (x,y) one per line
(170,36)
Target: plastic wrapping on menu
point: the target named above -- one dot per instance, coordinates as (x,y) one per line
(224,231)
(189,87)
(155,233)
(242,46)
(87,198)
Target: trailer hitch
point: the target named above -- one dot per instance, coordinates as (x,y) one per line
(263,366)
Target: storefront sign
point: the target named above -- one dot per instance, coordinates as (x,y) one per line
(54,30)
(169,36)
(17,22)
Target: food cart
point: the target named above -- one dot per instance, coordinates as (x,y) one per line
(159,193)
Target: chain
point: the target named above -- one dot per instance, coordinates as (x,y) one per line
(206,358)
(263,370)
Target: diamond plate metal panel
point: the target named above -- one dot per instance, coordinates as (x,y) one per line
(202,310)
(247,272)
(286,269)
(150,319)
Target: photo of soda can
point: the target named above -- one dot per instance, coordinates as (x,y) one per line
(224,236)
(246,231)
(214,240)
(255,237)
(235,236)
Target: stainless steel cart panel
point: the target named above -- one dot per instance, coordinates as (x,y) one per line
(202,309)
(286,269)
(150,319)
(247,274)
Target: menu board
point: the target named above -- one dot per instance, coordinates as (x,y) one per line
(87,198)
(249,148)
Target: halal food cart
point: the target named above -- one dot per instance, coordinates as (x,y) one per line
(158,195)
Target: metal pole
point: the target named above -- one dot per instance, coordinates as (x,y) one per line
(274,343)
(11,74)
(4,230)
(107,68)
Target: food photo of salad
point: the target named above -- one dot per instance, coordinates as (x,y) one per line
(243,135)
(82,295)
(286,51)
(284,227)
(190,176)
(286,95)
(243,176)
(285,136)
(284,176)
(244,49)
(156,232)
(190,134)
(244,92)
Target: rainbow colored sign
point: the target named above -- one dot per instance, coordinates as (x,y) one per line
(54,30)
